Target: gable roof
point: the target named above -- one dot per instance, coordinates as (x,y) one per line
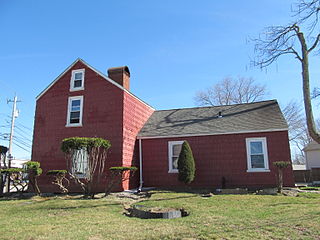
(239,118)
(96,71)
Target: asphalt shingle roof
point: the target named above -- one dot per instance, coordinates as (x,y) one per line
(249,117)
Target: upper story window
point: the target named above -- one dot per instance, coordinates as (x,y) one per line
(174,151)
(74,116)
(257,155)
(77,80)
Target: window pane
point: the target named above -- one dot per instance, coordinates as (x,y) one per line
(75,102)
(75,105)
(257,161)
(175,163)
(75,117)
(77,83)
(80,162)
(78,76)
(256,147)
(176,149)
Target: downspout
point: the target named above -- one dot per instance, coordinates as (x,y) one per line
(140,164)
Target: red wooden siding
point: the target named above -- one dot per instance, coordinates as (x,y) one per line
(135,114)
(216,157)
(108,112)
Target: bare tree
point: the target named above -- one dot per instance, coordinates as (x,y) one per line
(231,91)
(292,40)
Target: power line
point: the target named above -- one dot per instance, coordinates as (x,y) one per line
(22,142)
(24,133)
(22,147)
(20,124)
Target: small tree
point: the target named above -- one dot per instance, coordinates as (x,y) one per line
(186,164)
(33,170)
(118,175)
(88,155)
(281,165)
(17,178)
(60,179)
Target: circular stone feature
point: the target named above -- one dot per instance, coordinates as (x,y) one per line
(145,212)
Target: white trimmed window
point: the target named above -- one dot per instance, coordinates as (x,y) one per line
(77,80)
(174,149)
(80,160)
(74,116)
(257,155)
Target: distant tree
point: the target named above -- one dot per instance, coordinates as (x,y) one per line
(186,164)
(299,39)
(231,91)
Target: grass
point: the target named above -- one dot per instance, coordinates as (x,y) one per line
(310,188)
(217,217)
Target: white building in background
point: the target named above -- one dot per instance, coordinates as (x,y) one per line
(18,163)
(312,151)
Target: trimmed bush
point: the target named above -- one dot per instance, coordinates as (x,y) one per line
(78,143)
(60,179)
(118,175)
(12,170)
(16,176)
(33,169)
(95,150)
(186,164)
(121,169)
(281,165)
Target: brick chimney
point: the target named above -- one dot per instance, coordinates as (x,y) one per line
(120,75)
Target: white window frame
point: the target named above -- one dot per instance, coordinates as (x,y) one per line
(73,73)
(170,155)
(263,140)
(69,111)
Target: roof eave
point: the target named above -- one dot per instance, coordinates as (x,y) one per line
(212,134)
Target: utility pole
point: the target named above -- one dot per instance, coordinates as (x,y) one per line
(13,117)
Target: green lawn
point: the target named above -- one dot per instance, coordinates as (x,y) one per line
(221,217)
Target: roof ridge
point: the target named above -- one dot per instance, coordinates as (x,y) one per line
(271,100)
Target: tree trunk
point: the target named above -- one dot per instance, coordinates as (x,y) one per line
(280,180)
(306,90)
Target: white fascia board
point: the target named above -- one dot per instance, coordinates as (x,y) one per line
(213,134)
(99,73)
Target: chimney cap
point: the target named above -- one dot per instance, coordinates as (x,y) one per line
(119,69)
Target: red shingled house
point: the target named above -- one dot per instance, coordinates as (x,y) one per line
(235,142)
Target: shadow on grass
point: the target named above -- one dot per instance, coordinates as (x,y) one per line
(172,198)
(81,207)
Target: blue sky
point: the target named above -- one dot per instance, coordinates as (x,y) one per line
(173,49)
